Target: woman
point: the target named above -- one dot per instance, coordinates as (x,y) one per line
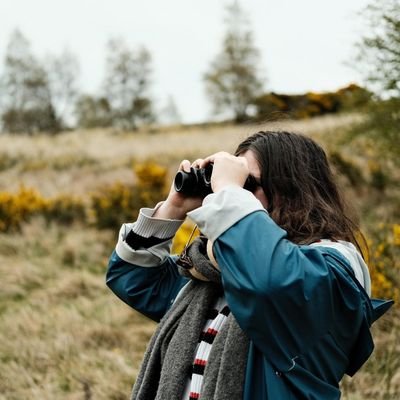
(271,301)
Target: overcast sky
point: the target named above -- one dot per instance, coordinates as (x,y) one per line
(304,44)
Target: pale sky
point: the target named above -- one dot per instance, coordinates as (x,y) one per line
(304,43)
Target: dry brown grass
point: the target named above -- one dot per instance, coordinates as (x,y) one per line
(63,334)
(61,331)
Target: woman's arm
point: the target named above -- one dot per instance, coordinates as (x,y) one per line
(141,271)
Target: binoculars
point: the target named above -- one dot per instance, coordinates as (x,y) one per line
(197,182)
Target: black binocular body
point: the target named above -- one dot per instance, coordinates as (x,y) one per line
(197,182)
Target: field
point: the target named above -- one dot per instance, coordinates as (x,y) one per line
(64,335)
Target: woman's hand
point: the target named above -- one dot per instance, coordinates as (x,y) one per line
(227,170)
(177,205)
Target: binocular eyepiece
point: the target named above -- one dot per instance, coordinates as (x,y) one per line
(197,182)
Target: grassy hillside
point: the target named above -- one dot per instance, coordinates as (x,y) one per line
(80,161)
(63,334)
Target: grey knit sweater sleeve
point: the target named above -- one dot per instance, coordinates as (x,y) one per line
(147,226)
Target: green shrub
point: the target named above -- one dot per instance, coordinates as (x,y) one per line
(347,168)
(65,209)
(378,178)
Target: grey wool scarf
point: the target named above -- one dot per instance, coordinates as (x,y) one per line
(169,357)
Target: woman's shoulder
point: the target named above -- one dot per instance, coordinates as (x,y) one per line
(349,254)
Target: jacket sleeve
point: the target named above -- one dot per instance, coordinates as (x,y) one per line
(141,271)
(284,296)
(149,290)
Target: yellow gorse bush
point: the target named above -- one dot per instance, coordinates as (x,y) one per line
(17,208)
(152,182)
(113,205)
(384,262)
(119,202)
(396,235)
(106,209)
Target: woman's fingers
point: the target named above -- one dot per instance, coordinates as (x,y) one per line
(228,170)
(185,166)
(198,163)
(213,157)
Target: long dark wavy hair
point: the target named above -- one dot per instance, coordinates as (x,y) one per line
(303,197)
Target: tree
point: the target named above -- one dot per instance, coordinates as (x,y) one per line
(379,50)
(63,72)
(127,84)
(378,54)
(233,79)
(93,112)
(25,92)
(170,113)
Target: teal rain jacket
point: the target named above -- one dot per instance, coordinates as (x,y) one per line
(307,317)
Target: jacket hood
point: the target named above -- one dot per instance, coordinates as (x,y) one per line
(353,256)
